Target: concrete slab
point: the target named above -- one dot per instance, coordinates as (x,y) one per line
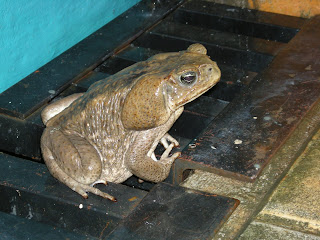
(263,231)
(295,202)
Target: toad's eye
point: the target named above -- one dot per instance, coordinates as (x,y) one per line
(188,78)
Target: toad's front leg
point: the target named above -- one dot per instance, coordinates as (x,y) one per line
(167,137)
(140,159)
(164,141)
(142,162)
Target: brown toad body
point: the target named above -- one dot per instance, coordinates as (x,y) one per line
(111,131)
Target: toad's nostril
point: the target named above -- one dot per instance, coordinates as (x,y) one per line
(210,69)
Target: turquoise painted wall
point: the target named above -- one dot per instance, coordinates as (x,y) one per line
(33,32)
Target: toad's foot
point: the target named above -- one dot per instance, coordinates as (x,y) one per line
(164,141)
(82,189)
(167,137)
(165,154)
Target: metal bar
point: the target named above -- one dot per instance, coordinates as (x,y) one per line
(29,191)
(171,212)
(237,58)
(270,26)
(211,36)
(14,227)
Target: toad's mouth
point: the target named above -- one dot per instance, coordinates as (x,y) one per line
(184,101)
(203,91)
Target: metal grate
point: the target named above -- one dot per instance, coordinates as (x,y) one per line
(243,42)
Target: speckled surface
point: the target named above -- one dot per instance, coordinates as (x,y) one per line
(291,213)
(263,231)
(254,196)
(295,202)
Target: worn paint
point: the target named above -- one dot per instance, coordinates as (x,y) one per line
(132,199)
(302,8)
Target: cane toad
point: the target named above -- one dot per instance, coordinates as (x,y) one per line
(111,131)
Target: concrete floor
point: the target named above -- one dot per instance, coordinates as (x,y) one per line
(293,211)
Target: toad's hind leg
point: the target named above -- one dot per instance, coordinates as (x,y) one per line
(73,161)
(58,106)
